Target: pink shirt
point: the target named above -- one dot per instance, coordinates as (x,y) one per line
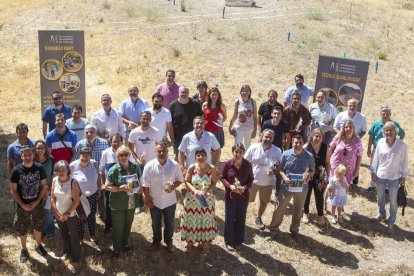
(345,154)
(170,94)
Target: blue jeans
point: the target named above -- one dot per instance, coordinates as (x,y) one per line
(156,216)
(392,185)
(49,227)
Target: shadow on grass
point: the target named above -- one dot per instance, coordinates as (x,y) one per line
(371,227)
(325,254)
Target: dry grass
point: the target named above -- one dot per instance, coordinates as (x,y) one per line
(132,45)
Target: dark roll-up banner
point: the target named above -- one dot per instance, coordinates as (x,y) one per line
(342,79)
(62,67)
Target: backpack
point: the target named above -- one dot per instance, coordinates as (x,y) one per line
(402,198)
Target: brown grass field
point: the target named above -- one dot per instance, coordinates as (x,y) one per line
(137,41)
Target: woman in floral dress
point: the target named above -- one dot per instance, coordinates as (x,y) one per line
(198,221)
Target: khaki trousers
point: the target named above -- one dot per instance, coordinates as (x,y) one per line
(279,212)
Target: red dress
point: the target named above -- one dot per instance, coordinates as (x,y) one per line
(213,115)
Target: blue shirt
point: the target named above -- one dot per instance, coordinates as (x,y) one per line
(132,111)
(13,151)
(50,113)
(97,149)
(304,91)
(297,164)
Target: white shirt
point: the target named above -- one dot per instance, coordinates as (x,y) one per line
(159,120)
(144,142)
(261,160)
(112,123)
(190,143)
(155,177)
(86,177)
(359,121)
(390,163)
(337,186)
(321,114)
(109,159)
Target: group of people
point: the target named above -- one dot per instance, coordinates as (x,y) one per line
(119,161)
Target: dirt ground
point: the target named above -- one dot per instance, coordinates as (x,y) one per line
(137,41)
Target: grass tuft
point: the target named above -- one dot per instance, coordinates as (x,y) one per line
(408,6)
(183,6)
(176,52)
(130,10)
(151,13)
(318,15)
(247,32)
(382,55)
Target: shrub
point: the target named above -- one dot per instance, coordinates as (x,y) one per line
(382,55)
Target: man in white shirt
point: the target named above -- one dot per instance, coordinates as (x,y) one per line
(142,140)
(161,118)
(160,178)
(107,120)
(199,138)
(263,156)
(131,109)
(323,116)
(351,113)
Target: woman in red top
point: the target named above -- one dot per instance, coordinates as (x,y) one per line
(215,114)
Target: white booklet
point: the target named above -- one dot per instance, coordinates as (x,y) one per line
(133,180)
(297,185)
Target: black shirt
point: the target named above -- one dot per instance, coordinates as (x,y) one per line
(183,116)
(265,110)
(28,181)
(279,130)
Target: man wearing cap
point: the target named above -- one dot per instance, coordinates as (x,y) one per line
(131,109)
(28,186)
(375,133)
(107,120)
(13,150)
(58,106)
(168,89)
(61,141)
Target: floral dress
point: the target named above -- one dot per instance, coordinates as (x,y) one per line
(345,154)
(198,223)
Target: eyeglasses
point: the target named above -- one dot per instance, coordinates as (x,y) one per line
(56,98)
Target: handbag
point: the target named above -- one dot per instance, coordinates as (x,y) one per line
(402,198)
(84,209)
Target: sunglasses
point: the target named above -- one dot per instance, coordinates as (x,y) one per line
(56,98)
(124,155)
(344,152)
